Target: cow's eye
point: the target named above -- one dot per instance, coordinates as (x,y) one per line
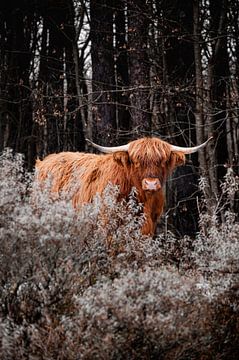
(135,163)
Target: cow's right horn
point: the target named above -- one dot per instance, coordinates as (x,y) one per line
(108,150)
(190,150)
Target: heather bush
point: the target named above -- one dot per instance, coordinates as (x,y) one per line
(88,285)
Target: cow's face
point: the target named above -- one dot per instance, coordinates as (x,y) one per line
(148,162)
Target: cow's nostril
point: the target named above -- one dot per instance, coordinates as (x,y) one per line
(151,184)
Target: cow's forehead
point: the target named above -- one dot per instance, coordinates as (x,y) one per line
(149,149)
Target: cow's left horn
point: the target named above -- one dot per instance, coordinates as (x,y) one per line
(108,150)
(190,150)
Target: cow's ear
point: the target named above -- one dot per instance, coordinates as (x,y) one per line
(122,158)
(177,158)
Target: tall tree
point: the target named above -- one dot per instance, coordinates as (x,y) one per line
(139,67)
(122,72)
(211,78)
(60,120)
(232,123)
(175,64)
(103,72)
(15,103)
(217,78)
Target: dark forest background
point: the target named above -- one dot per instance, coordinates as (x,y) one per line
(114,71)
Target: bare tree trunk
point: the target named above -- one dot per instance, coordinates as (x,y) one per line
(15,53)
(76,113)
(122,74)
(199,95)
(139,66)
(234,93)
(103,73)
(216,91)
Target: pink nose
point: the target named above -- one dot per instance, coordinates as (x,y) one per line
(151,184)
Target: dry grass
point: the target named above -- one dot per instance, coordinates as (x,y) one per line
(74,286)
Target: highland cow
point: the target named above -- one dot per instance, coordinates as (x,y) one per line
(144,164)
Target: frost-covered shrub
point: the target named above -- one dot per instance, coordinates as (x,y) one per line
(216,248)
(87,285)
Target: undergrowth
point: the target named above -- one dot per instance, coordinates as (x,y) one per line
(88,285)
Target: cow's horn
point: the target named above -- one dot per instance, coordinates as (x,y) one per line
(108,150)
(190,150)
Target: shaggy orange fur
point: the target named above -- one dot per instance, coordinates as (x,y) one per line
(84,174)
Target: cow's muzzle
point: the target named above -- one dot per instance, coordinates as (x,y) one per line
(151,184)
